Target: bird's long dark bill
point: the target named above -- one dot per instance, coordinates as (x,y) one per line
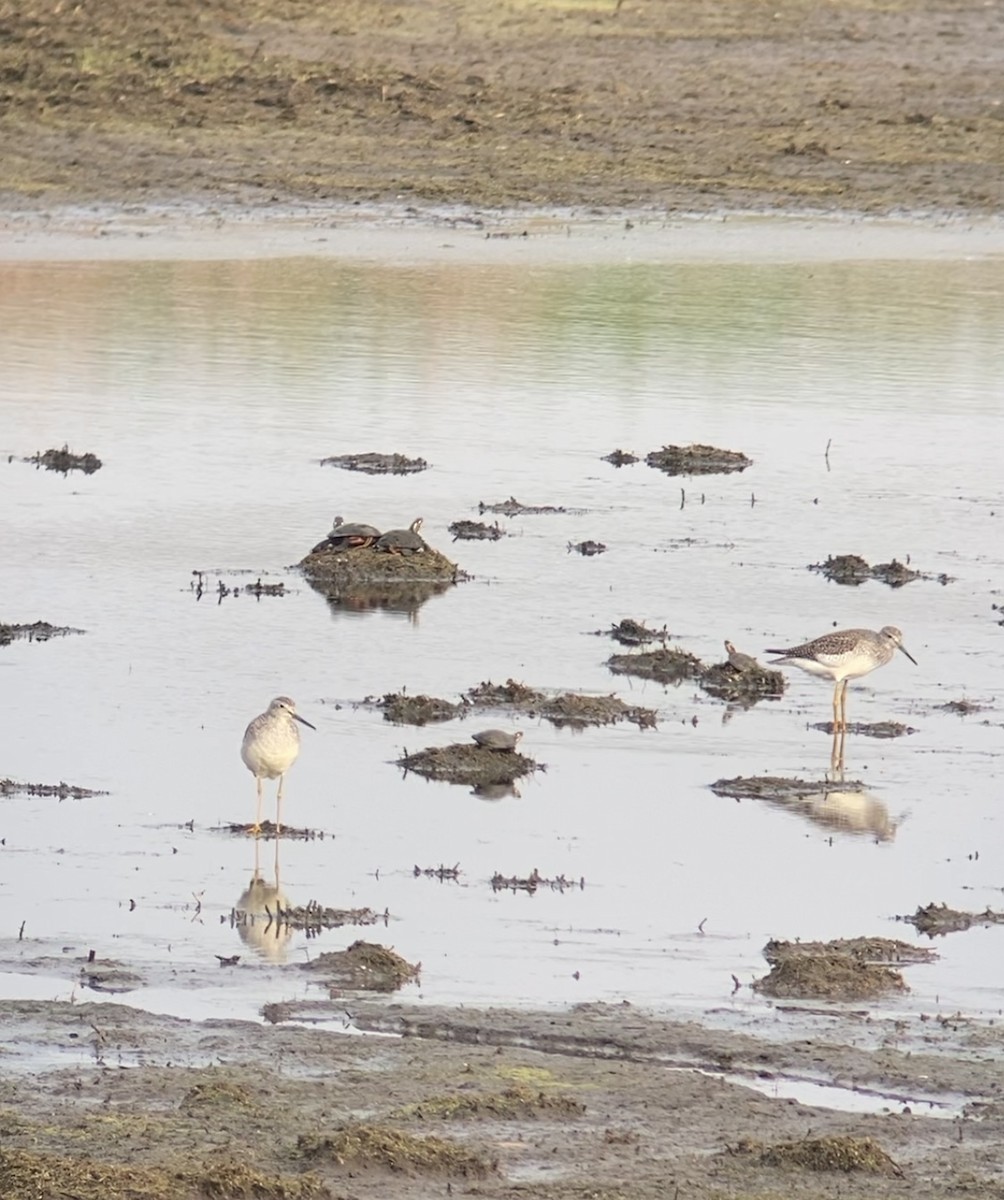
(909,655)
(304,721)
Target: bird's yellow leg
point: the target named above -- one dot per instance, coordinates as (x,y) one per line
(278,807)
(843,706)
(256,827)
(836,708)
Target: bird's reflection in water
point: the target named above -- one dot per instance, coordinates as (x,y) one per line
(255,912)
(851,812)
(495,791)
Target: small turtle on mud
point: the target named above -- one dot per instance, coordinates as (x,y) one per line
(348,535)
(403,541)
(741,662)
(497,739)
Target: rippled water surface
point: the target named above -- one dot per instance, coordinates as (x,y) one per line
(210,390)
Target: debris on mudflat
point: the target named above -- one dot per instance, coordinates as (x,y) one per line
(844,969)
(834,1153)
(566,709)
(64,461)
(470,765)
(62,791)
(268,830)
(372,463)
(853,570)
(416,710)
(37,631)
(441,873)
(587,548)
(311,917)
(874,729)
(513,508)
(530,883)
(620,458)
(697,460)
(200,587)
(476,531)
(360,1147)
(633,633)
(936,920)
(514,1103)
(365,966)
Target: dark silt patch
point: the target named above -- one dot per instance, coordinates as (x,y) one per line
(697,460)
(588,548)
(569,709)
(534,881)
(373,463)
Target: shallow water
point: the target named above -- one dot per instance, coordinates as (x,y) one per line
(212,389)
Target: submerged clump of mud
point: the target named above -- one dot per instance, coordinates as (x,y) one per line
(936,920)
(402,709)
(740,679)
(697,460)
(36,631)
(64,461)
(633,633)
(588,548)
(373,463)
(62,791)
(843,969)
(530,883)
(475,531)
(467,764)
(268,830)
(620,458)
(571,709)
(364,966)
(852,570)
(514,508)
(872,729)
(842,805)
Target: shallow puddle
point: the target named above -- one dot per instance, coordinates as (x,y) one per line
(867,394)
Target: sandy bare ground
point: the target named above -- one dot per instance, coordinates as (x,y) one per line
(725,105)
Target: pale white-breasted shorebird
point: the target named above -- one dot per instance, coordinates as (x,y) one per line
(270,747)
(844,655)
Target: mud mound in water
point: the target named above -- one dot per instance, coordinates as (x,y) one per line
(372,463)
(697,460)
(471,765)
(364,966)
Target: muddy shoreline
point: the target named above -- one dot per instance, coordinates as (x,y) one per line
(608,1099)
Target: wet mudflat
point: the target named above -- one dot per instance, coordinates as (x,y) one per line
(683,886)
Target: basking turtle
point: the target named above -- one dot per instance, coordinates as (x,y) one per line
(403,541)
(349,535)
(496,739)
(741,662)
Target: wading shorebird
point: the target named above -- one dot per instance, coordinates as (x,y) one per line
(270,747)
(842,656)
